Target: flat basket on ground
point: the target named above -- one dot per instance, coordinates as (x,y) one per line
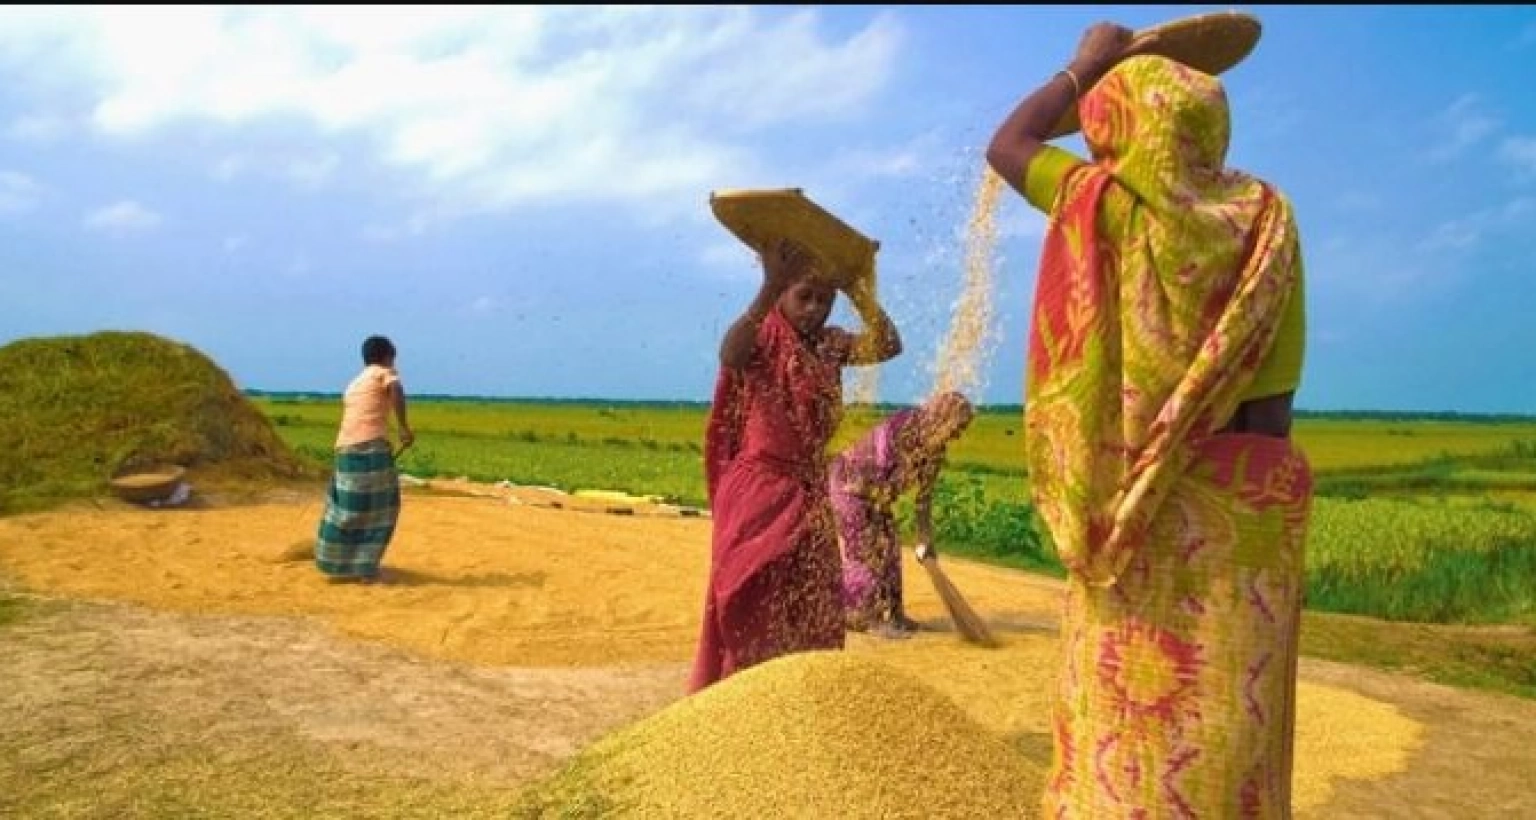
(1211,43)
(758,217)
(155,484)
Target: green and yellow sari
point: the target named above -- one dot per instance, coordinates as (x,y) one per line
(1169,293)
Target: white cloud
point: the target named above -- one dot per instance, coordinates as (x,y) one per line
(230,167)
(312,172)
(416,225)
(299,266)
(1453,234)
(1463,125)
(902,161)
(1372,270)
(1376,270)
(18,193)
(235,242)
(482,306)
(730,260)
(125,216)
(1527,36)
(1357,202)
(1470,230)
(1520,152)
(490,107)
(379,233)
(36,128)
(759,74)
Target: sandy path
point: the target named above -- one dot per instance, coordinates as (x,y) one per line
(529,631)
(108,708)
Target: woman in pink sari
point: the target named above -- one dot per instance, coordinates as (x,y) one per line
(1165,348)
(774,577)
(903,453)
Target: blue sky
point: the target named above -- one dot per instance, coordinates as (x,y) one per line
(518,196)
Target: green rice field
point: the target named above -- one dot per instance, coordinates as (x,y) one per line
(1428,520)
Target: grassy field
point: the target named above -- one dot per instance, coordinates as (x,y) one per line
(1430,523)
(1415,520)
(647,443)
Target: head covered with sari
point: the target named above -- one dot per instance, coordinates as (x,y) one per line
(1144,337)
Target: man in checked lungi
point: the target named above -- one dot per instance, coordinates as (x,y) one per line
(363,504)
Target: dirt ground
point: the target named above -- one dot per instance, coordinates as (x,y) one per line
(195,650)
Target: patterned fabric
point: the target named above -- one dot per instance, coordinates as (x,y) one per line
(1177,695)
(1140,346)
(774,574)
(362,508)
(1281,370)
(1163,279)
(866,479)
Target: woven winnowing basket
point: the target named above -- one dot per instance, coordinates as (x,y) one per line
(759,217)
(1211,43)
(151,485)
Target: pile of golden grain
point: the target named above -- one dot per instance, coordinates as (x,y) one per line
(822,734)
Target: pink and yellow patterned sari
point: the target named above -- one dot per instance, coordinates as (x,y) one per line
(1163,279)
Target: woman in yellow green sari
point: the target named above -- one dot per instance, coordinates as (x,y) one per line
(1165,346)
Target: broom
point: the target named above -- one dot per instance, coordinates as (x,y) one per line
(970,625)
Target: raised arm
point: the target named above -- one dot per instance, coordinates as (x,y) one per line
(783,263)
(880,341)
(1026,130)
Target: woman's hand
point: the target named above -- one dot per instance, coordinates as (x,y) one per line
(836,345)
(1103,45)
(860,289)
(1025,132)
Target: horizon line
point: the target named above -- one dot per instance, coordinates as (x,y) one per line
(982,406)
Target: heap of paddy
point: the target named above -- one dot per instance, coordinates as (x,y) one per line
(818,734)
(80,410)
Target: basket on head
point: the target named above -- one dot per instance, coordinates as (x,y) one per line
(1211,43)
(760,217)
(155,484)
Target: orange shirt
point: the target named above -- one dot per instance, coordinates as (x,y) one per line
(366,406)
